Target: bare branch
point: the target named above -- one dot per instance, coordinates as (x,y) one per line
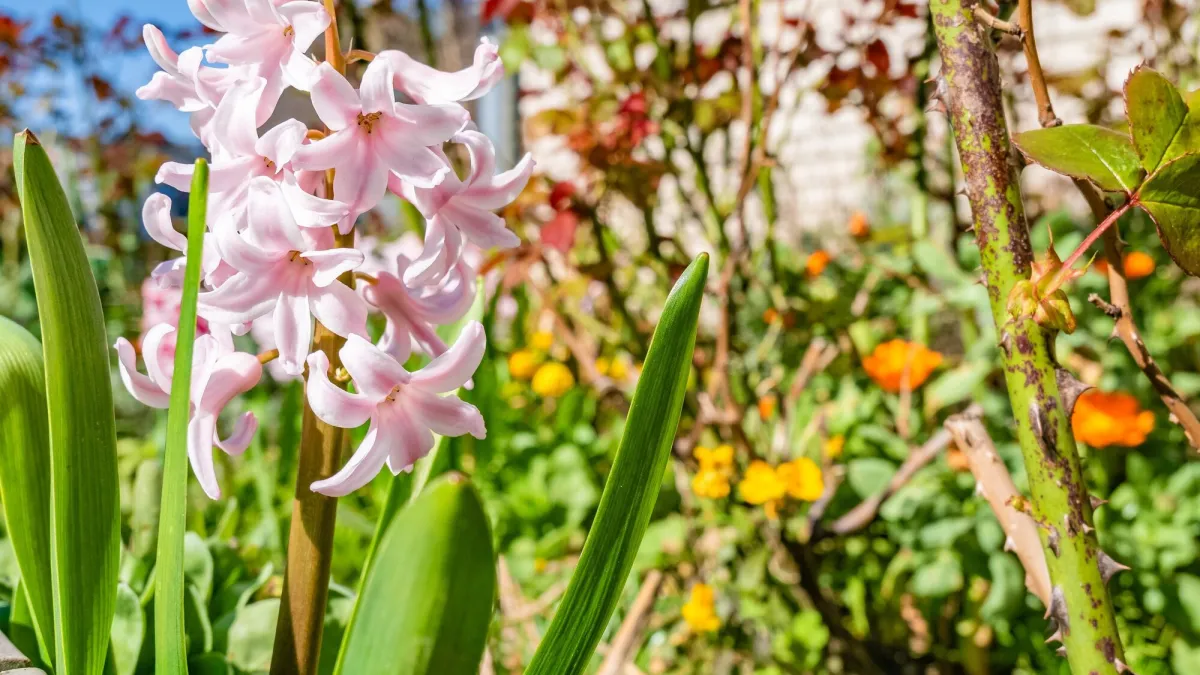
(624,645)
(862,515)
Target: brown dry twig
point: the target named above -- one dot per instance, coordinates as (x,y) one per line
(862,515)
(624,644)
(1037,78)
(997,488)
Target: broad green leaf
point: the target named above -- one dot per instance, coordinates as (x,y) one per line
(128,631)
(427,603)
(252,635)
(170,648)
(196,624)
(632,486)
(954,386)
(869,475)
(1160,123)
(938,578)
(25,471)
(198,564)
(1172,200)
(85,537)
(20,624)
(1102,156)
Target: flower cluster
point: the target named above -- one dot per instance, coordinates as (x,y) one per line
(894,360)
(699,611)
(280,253)
(764,484)
(716,467)
(1102,418)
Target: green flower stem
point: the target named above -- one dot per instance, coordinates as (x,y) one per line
(1080,602)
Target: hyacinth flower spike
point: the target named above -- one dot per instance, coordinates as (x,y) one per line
(405,409)
(413,312)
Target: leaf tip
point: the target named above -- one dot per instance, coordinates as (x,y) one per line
(26,136)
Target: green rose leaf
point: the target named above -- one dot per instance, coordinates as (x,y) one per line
(1171,199)
(1102,156)
(1160,123)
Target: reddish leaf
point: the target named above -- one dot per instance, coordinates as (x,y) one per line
(496,9)
(559,233)
(877,55)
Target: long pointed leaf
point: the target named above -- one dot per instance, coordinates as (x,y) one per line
(170,647)
(25,471)
(85,503)
(427,603)
(632,486)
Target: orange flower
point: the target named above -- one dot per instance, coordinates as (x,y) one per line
(816,263)
(887,364)
(770,316)
(1110,418)
(1138,265)
(858,225)
(766,407)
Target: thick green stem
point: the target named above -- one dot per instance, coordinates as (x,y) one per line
(1080,602)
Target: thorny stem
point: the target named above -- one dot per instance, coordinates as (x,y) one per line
(1080,604)
(297,647)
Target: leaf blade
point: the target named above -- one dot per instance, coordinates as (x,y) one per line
(437,555)
(85,539)
(1102,156)
(1169,196)
(632,486)
(170,642)
(25,471)
(1158,117)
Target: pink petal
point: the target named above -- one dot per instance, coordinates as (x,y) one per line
(428,85)
(230,175)
(200,443)
(375,91)
(223,15)
(203,15)
(232,374)
(293,331)
(160,51)
(245,256)
(375,373)
(334,99)
(364,465)
(156,218)
(330,403)
(241,299)
(413,441)
(159,365)
(280,142)
(243,433)
(271,222)
(263,12)
(177,175)
(271,94)
(443,247)
(361,182)
(446,415)
(396,341)
(297,69)
(331,264)
(452,369)
(328,152)
(172,89)
(339,308)
(431,124)
(141,387)
(308,21)
(234,124)
(482,152)
(309,210)
(502,189)
(482,228)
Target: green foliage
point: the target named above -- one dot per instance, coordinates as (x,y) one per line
(1102,156)
(84,506)
(1170,197)
(632,486)
(1162,126)
(25,473)
(175,601)
(435,559)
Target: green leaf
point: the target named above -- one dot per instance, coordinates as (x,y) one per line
(1160,123)
(170,647)
(1171,199)
(198,564)
(939,578)
(85,538)
(20,625)
(25,471)
(869,475)
(252,635)
(1102,156)
(954,386)
(632,486)
(429,598)
(128,631)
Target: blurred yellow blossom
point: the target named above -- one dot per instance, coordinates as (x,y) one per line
(542,340)
(614,368)
(553,380)
(698,610)
(761,484)
(1110,418)
(522,364)
(802,478)
(833,446)
(886,365)
(710,484)
(719,458)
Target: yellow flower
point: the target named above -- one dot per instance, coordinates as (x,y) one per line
(698,611)
(522,364)
(802,478)
(719,458)
(553,380)
(761,484)
(833,446)
(886,365)
(542,340)
(539,565)
(710,484)
(618,370)
(603,366)
(1103,418)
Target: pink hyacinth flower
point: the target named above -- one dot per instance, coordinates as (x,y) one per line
(373,137)
(186,83)
(425,84)
(412,313)
(218,374)
(272,37)
(288,269)
(156,218)
(405,409)
(463,209)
